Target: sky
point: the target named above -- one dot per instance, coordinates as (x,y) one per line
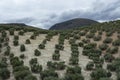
(45,13)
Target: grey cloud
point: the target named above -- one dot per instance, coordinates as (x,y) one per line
(100,12)
(45,13)
(23,20)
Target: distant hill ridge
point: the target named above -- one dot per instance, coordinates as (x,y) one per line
(18,26)
(14,24)
(70,24)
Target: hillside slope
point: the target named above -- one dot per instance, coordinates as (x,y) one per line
(85,53)
(17,25)
(70,24)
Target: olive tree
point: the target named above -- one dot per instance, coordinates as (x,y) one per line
(4,73)
(37,52)
(22,48)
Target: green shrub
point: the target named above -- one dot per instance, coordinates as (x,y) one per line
(118,36)
(73,61)
(74,77)
(109,57)
(90,46)
(73,73)
(103,46)
(116,42)
(112,50)
(61,39)
(5,44)
(41,46)
(2,39)
(97,38)
(85,40)
(22,56)
(109,74)
(90,35)
(111,67)
(20,75)
(15,61)
(48,73)
(60,66)
(4,73)
(33,61)
(0,45)
(56,51)
(11,55)
(56,56)
(7,52)
(30,77)
(44,41)
(105,79)
(4,34)
(21,33)
(81,44)
(52,78)
(73,70)
(100,32)
(22,48)
(56,65)
(98,60)
(20,68)
(109,34)
(85,52)
(15,43)
(36,68)
(72,41)
(3,64)
(90,66)
(82,33)
(49,36)
(118,76)
(74,48)
(51,65)
(11,32)
(98,73)
(32,37)
(16,37)
(27,41)
(107,40)
(76,54)
(98,65)
(114,66)
(93,30)
(37,52)
(76,36)
(59,46)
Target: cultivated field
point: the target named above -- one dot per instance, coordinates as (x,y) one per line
(83,54)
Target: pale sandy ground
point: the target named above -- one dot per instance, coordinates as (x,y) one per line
(83,60)
(64,56)
(46,54)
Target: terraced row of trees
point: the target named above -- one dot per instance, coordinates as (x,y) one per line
(98,43)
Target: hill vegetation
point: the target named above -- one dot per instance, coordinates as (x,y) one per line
(85,53)
(74,23)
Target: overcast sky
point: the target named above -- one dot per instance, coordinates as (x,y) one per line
(44,13)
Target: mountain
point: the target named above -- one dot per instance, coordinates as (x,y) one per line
(70,24)
(13,24)
(84,53)
(18,26)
